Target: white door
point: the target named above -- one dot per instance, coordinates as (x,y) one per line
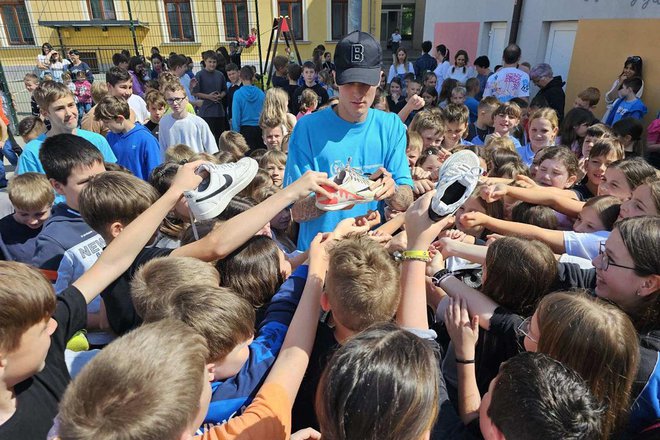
(559,51)
(496,43)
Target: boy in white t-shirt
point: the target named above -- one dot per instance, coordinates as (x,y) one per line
(181,127)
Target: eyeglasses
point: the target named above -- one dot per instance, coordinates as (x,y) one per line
(171,101)
(523,330)
(604,261)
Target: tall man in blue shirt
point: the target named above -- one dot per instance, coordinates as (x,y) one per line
(373,142)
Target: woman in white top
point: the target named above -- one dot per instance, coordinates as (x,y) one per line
(57,65)
(460,71)
(442,55)
(43,59)
(401,66)
(631,68)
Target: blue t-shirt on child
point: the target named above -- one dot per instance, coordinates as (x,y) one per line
(29,159)
(138,150)
(18,242)
(324,142)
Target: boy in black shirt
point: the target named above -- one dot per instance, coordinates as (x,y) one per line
(308,72)
(235,81)
(32,198)
(157,106)
(293,72)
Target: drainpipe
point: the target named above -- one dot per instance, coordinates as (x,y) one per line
(515,20)
(371,31)
(354,15)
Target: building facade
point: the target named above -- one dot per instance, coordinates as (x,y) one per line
(585,41)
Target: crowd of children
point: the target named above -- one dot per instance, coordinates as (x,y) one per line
(427,254)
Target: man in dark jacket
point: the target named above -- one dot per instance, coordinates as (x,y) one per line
(550,87)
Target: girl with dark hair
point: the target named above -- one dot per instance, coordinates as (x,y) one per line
(137,71)
(157,66)
(632,68)
(461,71)
(441,71)
(574,128)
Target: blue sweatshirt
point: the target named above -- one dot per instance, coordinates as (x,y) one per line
(624,109)
(64,230)
(246,107)
(138,150)
(231,396)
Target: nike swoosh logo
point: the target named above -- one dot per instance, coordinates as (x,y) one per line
(228,182)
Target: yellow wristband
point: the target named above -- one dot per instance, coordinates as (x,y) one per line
(416,255)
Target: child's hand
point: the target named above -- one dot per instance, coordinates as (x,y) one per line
(420,173)
(371,219)
(525,181)
(380,237)
(318,253)
(384,182)
(446,246)
(463,331)
(311,182)
(422,186)
(186,178)
(473,219)
(306,434)
(437,263)
(350,226)
(490,238)
(420,228)
(416,102)
(453,234)
(492,193)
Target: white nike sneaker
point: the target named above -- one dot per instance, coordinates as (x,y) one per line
(353,189)
(457,179)
(216,191)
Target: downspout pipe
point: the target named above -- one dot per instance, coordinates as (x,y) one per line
(515,20)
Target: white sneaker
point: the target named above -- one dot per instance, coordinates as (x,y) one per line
(216,191)
(354,188)
(457,179)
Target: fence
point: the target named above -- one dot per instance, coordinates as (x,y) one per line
(98,29)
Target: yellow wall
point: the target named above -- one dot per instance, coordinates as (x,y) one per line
(602,46)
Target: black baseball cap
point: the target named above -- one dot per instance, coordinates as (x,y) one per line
(357,58)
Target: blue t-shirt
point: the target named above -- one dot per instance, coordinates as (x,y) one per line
(138,150)
(472,104)
(29,159)
(526,154)
(324,142)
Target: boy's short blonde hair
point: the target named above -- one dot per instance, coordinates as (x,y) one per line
(222,317)
(30,192)
(233,143)
(26,299)
(207,157)
(488,102)
(120,393)
(496,142)
(432,119)
(414,141)
(276,157)
(362,284)
(155,98)
(31,77)
(99,91)
(160,276)
(50,91)
(114,196)
(111,107)
(590,95)
(178,153)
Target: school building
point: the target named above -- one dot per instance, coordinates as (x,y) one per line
(100,28)
(585,41)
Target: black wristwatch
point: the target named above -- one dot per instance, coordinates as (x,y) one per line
(440,275)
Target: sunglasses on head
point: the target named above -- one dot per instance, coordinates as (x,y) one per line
(634,59)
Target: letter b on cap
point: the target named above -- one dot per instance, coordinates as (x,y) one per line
(357,53)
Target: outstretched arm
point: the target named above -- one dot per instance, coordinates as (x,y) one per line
(120,254)
(554,239)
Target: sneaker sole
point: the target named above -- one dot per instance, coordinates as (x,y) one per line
(455,191)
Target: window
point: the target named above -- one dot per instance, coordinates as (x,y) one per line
(293,8)
(236,18)
(339,17)
(17,22)
(179,20)
(101,9)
